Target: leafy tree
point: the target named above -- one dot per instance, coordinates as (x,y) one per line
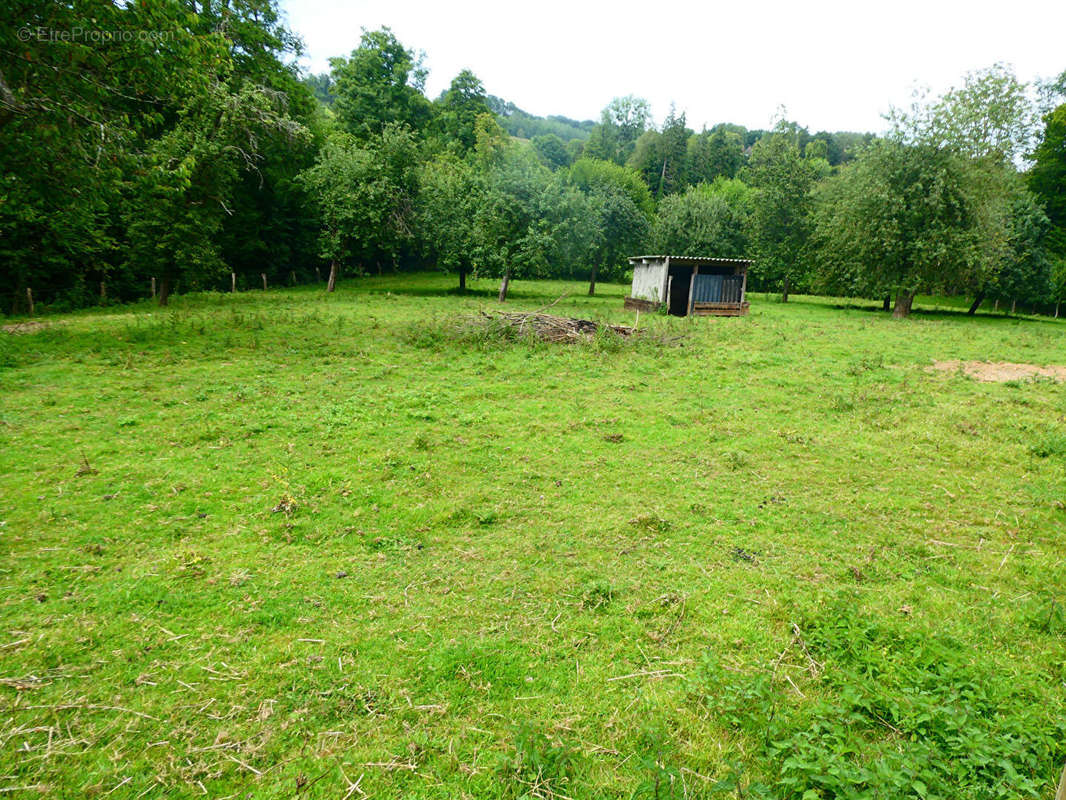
(707,219)
(190,172)
(458,110)
(364,193)
(1048,176)
(990,115)
(321,87)
(1025,274)
(589,174)
(106,141)
(381,83)
(551,150)
(449,195)
(898,221)
(622,207)
(621,124)
(661,156)
(781,217)
(511,235)
(714,154)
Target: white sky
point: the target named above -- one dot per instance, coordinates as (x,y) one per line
(833,65)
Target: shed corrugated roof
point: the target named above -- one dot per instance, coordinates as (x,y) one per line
(692,260)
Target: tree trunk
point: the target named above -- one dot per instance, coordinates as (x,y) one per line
(904,299)
(784,290)
(1013,305)
(504,284)
(332,282)
(592,281)
(462,279)
(103,293)
(977,302)
(164,291)
(1057,309)
(887,304)
(996,306)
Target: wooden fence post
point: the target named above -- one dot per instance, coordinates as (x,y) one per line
(264,277)
(318,274)
(153,288)
(29,296)
(233,281)
(103,292)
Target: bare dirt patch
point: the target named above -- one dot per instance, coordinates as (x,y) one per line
(1001,371)
(30,326)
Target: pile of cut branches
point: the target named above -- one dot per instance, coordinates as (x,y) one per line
(551,328)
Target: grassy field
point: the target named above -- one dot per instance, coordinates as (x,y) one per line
(285,544)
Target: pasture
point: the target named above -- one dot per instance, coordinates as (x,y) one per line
(288,544)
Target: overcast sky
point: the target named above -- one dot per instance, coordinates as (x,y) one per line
(832,65)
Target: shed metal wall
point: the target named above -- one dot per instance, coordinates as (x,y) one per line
(648,281)
(717,289)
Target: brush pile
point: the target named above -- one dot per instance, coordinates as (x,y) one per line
(551,328)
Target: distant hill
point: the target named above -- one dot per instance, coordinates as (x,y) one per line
(525,125)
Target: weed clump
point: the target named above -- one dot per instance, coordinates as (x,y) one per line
(539,767)
(906,715)
(650,522)
(597,595)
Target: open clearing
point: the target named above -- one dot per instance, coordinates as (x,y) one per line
(289,545)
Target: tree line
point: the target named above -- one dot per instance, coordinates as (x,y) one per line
(184,151)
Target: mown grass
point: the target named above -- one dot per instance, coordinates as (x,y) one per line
(293,545)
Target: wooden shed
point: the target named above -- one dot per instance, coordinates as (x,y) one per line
(689,285)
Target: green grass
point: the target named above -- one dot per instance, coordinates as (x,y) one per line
(274,544)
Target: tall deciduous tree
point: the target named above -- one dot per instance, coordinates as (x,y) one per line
(458,109)
(365,194)
(781,218)
(898,221)
(621,206)
(992,115)
(449,195)
(381,83)
(709,219)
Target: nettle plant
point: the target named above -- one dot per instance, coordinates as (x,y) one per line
(898,714)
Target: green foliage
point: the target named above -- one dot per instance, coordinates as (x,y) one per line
(380,84)
(708,219)
(782,208)
(524,125)
(448,197)
(458,109)
(126,155)
(896,715)
(540,766)
(989,116)
(591,175)
(1048,177)
(364,194)
(714,155)
(661,157)
(901,219)
(621,124)
(551,150)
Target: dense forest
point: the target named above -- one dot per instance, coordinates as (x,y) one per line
(167,147)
